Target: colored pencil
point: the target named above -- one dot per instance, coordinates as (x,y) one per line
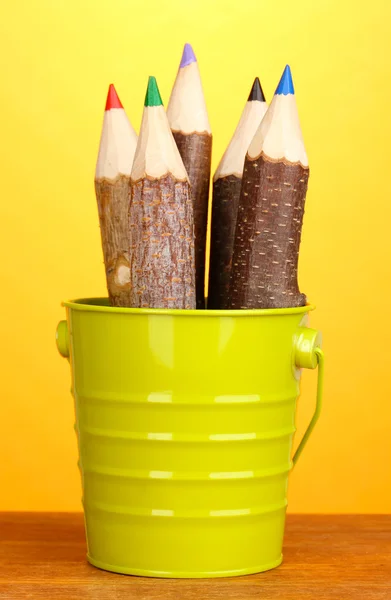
(162,266)
(271,208)
(226,191)
(117,146)
(189,123)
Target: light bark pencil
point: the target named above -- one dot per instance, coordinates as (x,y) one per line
(116,152)
(162,268)
(227,182)
(189,122)
(271,208)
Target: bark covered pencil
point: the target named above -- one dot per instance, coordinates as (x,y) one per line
(117,146)
(188,118)
(162,266)
(271,208)
(227,182)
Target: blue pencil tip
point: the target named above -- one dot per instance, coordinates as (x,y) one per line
(286,84)
(188,56)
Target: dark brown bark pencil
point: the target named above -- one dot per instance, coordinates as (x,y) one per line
(162,269)
(267,238)
(189,122)
(271,209)
(226,191)
(116,153)
(196,152)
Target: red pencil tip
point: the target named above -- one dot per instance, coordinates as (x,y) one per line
(112,99)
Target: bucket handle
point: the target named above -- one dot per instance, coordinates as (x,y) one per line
(310,355)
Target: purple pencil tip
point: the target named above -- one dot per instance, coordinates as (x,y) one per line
(188,56)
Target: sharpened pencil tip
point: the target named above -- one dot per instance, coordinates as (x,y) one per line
(152,97)
(285,86)
(112,99)
(256,92)
(188,56)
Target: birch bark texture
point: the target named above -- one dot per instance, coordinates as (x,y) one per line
(116,152)
(227,184)
(188,118)
(271,209)
(162,268)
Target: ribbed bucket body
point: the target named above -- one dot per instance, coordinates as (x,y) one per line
(185,424)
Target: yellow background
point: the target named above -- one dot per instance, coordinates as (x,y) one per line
(57,59)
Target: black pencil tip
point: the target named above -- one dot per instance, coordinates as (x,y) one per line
(257,92)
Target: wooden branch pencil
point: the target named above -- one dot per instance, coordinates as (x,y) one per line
(162,266)
(227,182)
(117,146)
(271,208)
(189,122)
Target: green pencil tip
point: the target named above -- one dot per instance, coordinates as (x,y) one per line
(152,97)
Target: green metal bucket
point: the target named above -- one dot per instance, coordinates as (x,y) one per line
(185,422)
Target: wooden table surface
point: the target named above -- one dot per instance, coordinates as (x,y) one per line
(42,555)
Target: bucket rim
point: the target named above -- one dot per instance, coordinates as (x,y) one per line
(101,304)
